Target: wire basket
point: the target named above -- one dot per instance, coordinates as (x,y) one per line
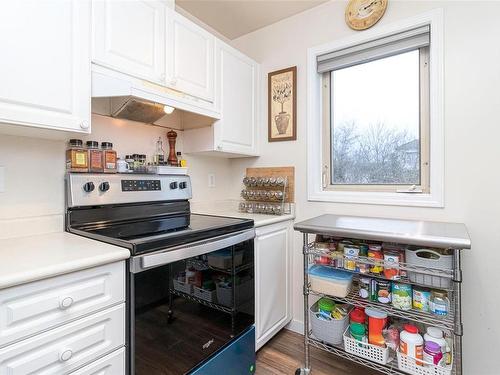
(409,365)
(361,349)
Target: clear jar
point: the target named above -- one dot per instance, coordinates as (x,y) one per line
(96,164)
(77,159)
(108,157)
(439,303)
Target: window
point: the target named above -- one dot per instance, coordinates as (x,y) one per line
(375,116)
(376,120)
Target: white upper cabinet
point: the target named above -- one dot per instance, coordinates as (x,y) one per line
(235,134)
(190,58)
(129,36)
(237,77)
(45,64)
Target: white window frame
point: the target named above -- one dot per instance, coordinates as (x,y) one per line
(315,131)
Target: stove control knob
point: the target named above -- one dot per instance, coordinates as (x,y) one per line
(104,186)
(88,187)
(173,185)
(182,185)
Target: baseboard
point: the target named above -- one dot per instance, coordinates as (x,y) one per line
(296,326)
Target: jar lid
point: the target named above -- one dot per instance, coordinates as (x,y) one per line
(438,293)
(432,346)
(128,156)
(106,145)
(178,153)
(92,144)
(375,313)
(357,315)
(76,142)
(357,329)
(435,332)
(410,328)
(326,304)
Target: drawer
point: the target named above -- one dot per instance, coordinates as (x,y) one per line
(66,348)
(28,309)
(112,364)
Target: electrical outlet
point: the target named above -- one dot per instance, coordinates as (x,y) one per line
(2,179)
(211,180)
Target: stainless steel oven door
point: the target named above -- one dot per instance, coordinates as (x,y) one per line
(188,302)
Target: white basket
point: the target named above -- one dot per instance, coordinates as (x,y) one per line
(370,352)
(206,295)
(182,286)
(224,262)
(329,331)
(409,365)
(442,262)
(243,293)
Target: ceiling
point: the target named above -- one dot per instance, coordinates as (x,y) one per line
(234,18)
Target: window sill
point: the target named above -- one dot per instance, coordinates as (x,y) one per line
(378,198)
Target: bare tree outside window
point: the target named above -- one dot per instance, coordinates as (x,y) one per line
(375,133)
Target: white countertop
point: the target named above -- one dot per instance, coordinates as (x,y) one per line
(26,259)
(229,208)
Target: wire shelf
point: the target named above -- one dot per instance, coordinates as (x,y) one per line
(312,250)
(446,322)
(202,302)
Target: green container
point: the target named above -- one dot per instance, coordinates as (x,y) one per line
(358,331)
(326,305)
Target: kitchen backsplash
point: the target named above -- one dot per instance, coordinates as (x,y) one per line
(33,200)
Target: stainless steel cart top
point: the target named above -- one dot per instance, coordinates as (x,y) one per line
(411,232)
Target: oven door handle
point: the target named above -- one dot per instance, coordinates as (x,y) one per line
(147,261)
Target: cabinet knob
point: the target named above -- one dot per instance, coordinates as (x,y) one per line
(65,355)
(84,125)
(66,303)
(219,147)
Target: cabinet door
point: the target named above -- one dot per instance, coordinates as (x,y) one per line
(129,36)
(28,309)
(45,64)
(272,277)
(190,62)
(66,348)
(237,76)
(112,364)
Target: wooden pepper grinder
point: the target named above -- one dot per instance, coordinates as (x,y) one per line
(172,156)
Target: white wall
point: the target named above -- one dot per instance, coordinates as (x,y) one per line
(472,131)
(33,200)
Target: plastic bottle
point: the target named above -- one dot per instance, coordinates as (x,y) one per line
(377,321)
(432,354)
(411,343)
(436,335)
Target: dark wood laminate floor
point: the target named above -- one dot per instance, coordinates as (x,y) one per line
(285,353)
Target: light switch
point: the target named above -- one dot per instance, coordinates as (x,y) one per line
(2,179)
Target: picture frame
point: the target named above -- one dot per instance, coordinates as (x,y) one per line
(282,105)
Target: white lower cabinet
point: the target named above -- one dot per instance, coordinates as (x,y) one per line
(272,279)
(61,324)
(68,347)
(112,364)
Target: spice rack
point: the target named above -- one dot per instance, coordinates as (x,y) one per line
(416,233)
(268,190)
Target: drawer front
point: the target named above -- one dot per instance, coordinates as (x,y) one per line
(112,364)
(29,309)
(66,348)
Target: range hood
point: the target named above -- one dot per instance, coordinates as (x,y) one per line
(133,99)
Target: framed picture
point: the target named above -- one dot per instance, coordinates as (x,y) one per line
(282,105)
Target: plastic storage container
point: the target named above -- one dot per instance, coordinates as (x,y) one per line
(205,294)
(329,331)
(243,293)
(183,287)
(410,366)
(429,259)
(371,352)
(222,259)
(330,281)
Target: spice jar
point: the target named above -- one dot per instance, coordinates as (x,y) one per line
(76,157)
(109,157)
(96,164)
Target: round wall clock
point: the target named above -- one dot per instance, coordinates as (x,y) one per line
(363,14)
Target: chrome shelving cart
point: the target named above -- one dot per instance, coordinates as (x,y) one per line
(421,234)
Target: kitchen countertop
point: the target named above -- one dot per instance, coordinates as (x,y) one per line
(229,208)
(26,259)
(411,232)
